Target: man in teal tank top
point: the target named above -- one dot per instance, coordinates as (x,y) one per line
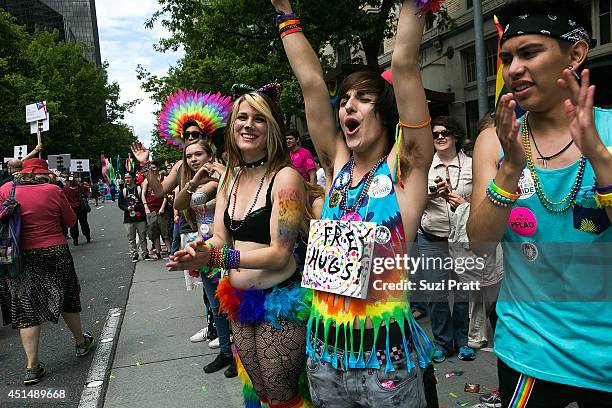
(548,202)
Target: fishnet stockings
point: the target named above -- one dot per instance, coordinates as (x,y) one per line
(273,358)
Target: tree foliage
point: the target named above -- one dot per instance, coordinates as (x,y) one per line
(84,108)
(236,41)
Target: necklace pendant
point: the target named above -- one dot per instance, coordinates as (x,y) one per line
(544,166)
(351,216)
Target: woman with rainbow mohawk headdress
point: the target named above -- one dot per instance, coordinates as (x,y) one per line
(188,121)
(261,218)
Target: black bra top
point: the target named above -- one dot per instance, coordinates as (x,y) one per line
(256,226)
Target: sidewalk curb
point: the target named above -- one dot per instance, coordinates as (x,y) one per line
(97,378)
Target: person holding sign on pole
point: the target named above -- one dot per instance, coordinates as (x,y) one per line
(361,333)
(261,213)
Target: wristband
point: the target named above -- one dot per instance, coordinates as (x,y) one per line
(145,168)
(224,258)
(603,200)
(604,189)
(498,199)
(494,187)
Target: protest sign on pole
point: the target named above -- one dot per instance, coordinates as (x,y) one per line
(36,111)
(79,165)
(59,162)
(19,152)
(45,125)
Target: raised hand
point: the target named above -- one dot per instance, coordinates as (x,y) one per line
(282,6)
(579,112)
(201,175)
(140,152)
(507,127)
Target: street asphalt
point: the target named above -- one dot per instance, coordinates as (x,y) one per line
(155,364)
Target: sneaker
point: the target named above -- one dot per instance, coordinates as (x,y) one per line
(439,355)
(199,336)
(232,370)
(491,400)
(218,363)
(213,344)
(135,258)
(34,375)
(466,353)
(146,257)
(84,348)
(478,344)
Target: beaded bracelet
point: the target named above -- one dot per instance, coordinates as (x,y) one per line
(603,200)
(145,168)
(224,258)
(493,197)
(503,192)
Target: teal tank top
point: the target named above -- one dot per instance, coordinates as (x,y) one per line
(555,304)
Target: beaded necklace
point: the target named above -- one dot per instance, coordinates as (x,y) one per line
(567,201)
(231,225)
(366,187)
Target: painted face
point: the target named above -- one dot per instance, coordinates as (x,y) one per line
(360,124)
(196,156)
(443,139)
(291,141)
(532,65)
(250,131)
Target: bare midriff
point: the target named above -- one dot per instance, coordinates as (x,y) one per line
(246,279)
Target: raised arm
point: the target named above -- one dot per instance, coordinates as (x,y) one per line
(416,149)
(306,66)
(159,189)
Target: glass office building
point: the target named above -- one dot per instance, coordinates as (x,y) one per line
(74,19)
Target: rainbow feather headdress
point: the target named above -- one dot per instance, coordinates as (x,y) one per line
(211,111)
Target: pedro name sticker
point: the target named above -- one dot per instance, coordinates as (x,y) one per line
(381,186)
(522,221)
(526,185)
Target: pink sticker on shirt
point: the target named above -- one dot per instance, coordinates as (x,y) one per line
(522,221)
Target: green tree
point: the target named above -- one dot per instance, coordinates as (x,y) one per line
(84,108)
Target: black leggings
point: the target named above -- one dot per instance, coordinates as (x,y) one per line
(273,359)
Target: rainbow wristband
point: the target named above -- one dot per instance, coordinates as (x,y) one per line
(224,258)
(494,187)
(281,18)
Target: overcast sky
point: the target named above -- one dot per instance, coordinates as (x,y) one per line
(125,43)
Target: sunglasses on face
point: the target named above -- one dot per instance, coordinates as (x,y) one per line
(438,133)
(196,134)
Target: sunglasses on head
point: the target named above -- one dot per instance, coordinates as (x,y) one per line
(439,133)
(196,134)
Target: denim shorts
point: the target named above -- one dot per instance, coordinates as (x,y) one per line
(365,387)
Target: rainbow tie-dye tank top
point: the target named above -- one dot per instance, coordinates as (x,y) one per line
(381,306)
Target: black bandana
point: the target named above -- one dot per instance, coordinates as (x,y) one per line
(552,25)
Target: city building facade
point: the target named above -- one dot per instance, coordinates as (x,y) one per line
(453,73)
(75,20)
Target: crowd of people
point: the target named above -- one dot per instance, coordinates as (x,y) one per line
(238,219)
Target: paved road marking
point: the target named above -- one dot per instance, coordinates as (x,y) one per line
(97,381)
